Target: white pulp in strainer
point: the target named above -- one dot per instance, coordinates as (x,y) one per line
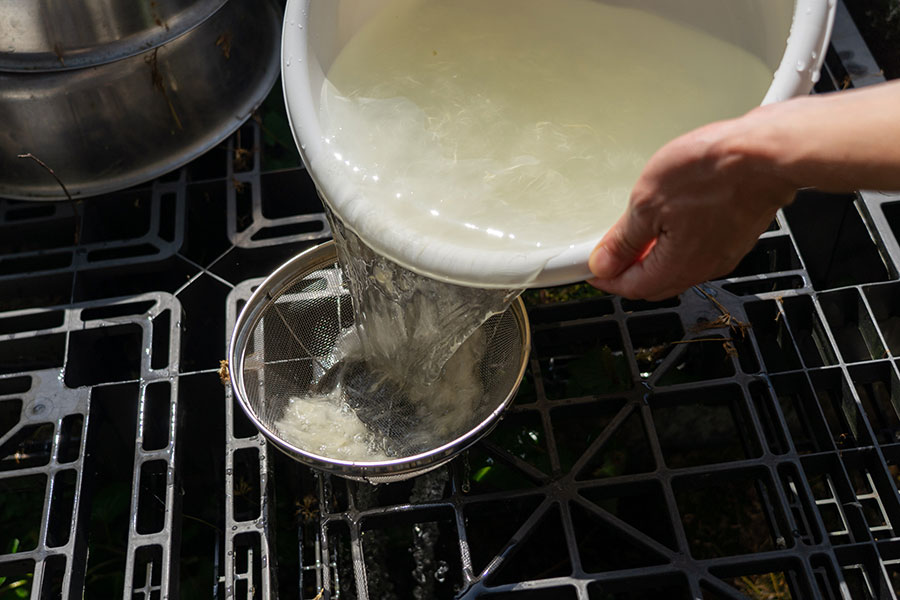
(518,125)
(325,426)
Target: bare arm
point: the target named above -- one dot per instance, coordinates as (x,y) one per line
(704,198)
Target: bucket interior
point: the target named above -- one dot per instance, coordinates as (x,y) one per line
(759,26)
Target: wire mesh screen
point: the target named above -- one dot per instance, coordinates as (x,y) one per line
(306,379)
(292,345)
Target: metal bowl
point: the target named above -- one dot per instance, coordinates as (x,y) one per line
(111,126)
(291,323)
(50,35)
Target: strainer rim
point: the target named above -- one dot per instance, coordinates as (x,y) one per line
(271,288)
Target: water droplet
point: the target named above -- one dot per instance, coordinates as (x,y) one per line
(816,75)
(801,66)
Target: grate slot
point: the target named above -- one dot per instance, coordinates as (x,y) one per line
(18,575)
(712,507)
(580,359)
(863,573)
(201,443)
(246,484)
(884,301)
(62,503)
(54,576)
(9,414)
(32,353)
(840,408)
(812,338)
(772,336)
(35,291)
(104,355)
(800,505)
(653,339)
(853,328)
(852,258)
(717,416)
(69,440)
(151,497)
(23,502)
(422,545)
(878,388)
(777,579)
(764,406)
(111,435)
(892,214)
(29,447)
(770,255)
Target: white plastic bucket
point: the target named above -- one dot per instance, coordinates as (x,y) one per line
(316,30)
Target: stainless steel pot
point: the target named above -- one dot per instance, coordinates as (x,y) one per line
(114,125)
(49,35)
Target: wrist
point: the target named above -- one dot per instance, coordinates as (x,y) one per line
(763,146)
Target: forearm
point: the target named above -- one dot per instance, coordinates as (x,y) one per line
(834,142)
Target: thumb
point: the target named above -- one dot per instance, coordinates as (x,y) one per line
(623,245)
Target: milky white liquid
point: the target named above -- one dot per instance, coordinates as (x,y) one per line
(519,124)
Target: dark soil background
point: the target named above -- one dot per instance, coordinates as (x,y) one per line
(879,23)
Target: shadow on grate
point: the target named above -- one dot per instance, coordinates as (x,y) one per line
(582,359)
(731,513)
(720,422)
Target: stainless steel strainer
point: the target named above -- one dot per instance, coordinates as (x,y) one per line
(283,346)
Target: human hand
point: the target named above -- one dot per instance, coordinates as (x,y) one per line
(698,207)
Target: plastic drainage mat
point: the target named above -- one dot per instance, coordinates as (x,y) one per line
(741,441)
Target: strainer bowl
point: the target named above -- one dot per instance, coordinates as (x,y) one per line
(282,347)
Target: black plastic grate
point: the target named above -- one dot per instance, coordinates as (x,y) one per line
(740,441)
